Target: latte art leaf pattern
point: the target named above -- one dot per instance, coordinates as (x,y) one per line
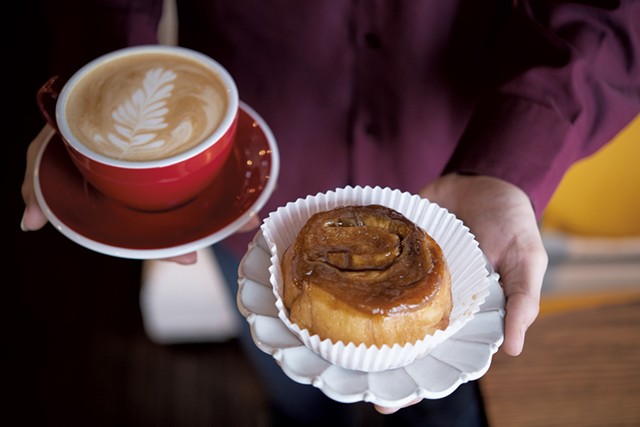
(143,113)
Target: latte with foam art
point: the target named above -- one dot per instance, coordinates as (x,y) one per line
(145,107)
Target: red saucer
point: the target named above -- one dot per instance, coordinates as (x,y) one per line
(90,219)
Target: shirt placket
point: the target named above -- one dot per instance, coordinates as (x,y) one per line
(369,127)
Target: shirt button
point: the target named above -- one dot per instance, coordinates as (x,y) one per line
(373,40)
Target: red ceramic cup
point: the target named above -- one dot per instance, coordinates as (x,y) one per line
(148,126)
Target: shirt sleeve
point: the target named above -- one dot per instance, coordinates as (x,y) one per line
(83,30)
(567,81)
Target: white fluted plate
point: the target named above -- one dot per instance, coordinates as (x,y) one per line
(463,357)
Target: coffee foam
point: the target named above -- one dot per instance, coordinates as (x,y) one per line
(145,107)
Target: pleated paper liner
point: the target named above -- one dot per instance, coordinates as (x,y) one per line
(469,275)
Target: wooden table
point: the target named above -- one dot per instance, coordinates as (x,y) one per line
(580,367)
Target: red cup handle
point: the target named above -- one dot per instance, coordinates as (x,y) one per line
(47,97)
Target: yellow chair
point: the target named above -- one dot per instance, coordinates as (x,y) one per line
(600,195)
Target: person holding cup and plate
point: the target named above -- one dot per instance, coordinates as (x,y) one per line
(479,107)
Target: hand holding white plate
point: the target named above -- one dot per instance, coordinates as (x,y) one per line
(463,357)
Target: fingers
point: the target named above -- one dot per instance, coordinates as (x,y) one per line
(186,259)
(252,224)
(522,283)
(33,218)
(522,311)
(386,410)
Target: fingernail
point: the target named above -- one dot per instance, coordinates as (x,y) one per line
(23,227)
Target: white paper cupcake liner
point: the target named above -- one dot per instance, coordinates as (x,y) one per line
(469,276)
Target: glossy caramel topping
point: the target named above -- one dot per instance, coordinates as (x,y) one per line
(371,257)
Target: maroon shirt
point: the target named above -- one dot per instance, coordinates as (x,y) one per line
(396,93)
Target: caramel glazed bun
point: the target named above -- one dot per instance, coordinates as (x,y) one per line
(366,274)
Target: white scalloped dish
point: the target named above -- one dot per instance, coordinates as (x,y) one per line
(463,357)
